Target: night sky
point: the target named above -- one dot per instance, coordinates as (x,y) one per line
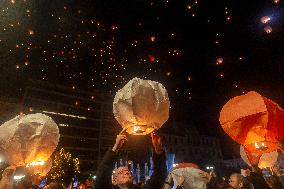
(203,51)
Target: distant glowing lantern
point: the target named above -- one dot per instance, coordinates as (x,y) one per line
(114,27)
(276,1)
(266,160)
(268,29)
(31,32)
(152,58)
(28,140)
(265,19)
(152,38)
(219,61)
(141,106)
(253,121)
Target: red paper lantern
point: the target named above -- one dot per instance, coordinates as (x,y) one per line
(253,121)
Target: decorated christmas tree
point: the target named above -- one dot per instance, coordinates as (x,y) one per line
(64,166)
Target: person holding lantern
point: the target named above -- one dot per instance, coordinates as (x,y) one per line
(255,176)
(122,177)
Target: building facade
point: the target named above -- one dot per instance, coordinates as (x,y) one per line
(189,146)
(86,123)
(10,108)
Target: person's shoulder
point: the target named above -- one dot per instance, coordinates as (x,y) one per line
(136,187)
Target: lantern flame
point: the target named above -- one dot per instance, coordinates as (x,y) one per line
(256,145)
(262,146)
(136,129)
(35,163)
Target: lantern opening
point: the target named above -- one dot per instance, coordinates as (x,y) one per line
(36,163)
(260,146)
(140,130)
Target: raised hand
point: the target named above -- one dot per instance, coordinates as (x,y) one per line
(157,143)
(120,141)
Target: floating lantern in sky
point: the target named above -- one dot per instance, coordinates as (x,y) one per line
(253,121)
(141,106)
(152,58)
(31,32)
(219,61)
(114,27)
(268,29)
(276,1)
(152,38)
(265,19)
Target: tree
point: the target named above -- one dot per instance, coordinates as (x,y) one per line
(64,167)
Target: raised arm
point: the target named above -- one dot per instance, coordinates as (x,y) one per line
(160,168)
(104,172)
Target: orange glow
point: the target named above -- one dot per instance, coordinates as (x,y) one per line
(268,29)
(253,121)
(265,19)
(36,163)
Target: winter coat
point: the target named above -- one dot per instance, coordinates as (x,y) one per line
(104,172)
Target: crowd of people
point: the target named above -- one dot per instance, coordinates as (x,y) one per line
(122,178)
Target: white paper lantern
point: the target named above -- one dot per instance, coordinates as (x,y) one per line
(266,160)
(193,180)
(28,138)
(141,106)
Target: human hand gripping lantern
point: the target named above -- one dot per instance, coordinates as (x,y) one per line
(29,140)
(141,106)
(253,121)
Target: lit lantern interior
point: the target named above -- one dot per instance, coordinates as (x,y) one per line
(36,163)
(262,146)
(139,130)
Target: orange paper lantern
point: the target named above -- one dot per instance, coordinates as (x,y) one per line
(253,121)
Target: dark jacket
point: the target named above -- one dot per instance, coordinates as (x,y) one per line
(103,177)
(257,179)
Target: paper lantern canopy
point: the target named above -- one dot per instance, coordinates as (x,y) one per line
(193,178)
(141,106)
(253,121)
(266,160)
(28,138)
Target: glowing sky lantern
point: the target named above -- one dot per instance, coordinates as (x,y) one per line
(152,58)
(265,19)
(31,32)
(276,1)
(253,121)
(28,140)
(268,29)
(152,38)
(141,106)
(219,61)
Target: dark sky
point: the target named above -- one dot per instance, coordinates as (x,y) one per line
(93,44)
